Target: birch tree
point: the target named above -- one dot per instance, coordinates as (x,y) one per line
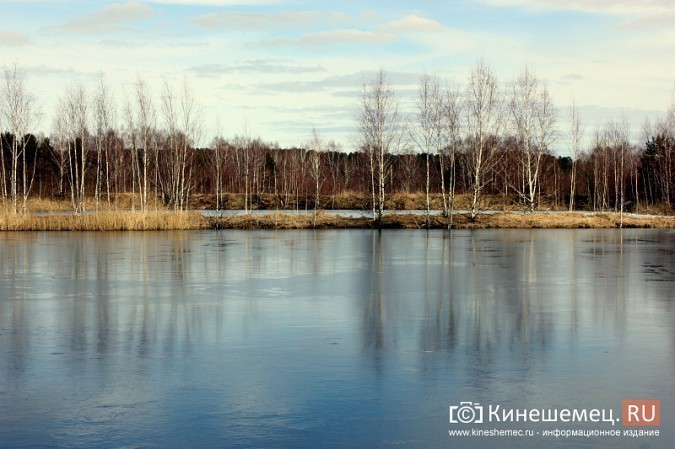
(220,155)
(424,129)
(576,134)
(145,123)
(484,120)
(315,147)
(19,113)
(452,108)
(73,135)
(617,136)
(380,134)
(181,124)
(104,117)
(533,117)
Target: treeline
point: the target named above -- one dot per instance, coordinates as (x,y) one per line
(482,140)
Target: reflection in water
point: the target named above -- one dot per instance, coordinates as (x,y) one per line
(348,338)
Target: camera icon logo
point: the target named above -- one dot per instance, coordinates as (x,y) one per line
(466,413)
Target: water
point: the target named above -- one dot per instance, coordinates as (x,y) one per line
(305,339)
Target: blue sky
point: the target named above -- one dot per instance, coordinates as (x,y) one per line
(278,68)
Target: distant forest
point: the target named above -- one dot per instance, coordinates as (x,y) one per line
(479,140)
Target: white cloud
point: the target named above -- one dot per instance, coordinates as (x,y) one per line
(384,34)
(620,7)
(334,37)
(264,66)
(12,39)
(113,18)
(659,20)
(265,21)
(414,24)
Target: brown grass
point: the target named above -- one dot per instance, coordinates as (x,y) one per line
(105,221)
(121,221)
(319,220)
(413,221)
(347,200)
(564,220)
(122,201)
(167,220)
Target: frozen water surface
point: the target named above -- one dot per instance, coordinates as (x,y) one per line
(332,339)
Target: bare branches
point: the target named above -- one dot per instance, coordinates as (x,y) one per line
(425,131)
(380,133)
(484,120)
(71,125)
(576,133)
(19,114)
(533,117)
(315,147)
(104,122)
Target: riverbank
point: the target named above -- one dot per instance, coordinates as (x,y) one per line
(291,204)
(496,220)
(105,221)
(165,220)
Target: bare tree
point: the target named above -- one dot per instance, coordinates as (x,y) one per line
(60,148)
(533,117)
(242,147)
(617,136)
(424,131)
(667,130)
(335,160)
(484,122)
(19,113)
(104,117)
(145,123)
(453,108)
(181,121)
(576,134)
(380,133)
(191,121)
(73,134)
(132,144)
(220,155)
(546,125)
(315,148)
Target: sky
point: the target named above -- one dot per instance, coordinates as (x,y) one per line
(276,69)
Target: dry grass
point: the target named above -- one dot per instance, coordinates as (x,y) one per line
(122,201)
(122,221)
(413,221)
(105,221)
(656,209)
(347,200)
(566,220)
(113,217)
(318,220)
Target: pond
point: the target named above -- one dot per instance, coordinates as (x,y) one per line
(335,338)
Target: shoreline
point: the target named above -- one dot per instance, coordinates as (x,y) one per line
(169,220)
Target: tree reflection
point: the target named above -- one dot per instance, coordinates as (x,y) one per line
(296,313)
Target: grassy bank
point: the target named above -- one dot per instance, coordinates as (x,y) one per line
(505,220)
(156,221)
(356,201)
(344,201)
(105,221)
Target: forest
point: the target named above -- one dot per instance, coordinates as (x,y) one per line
(484,145)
